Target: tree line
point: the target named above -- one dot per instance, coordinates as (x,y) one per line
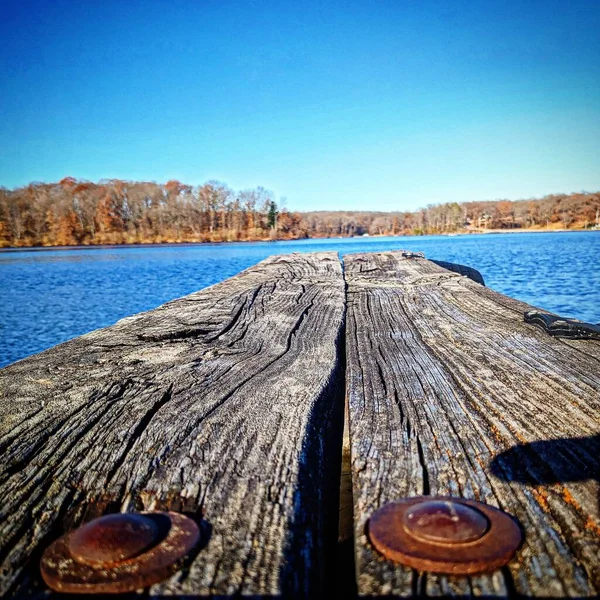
(76,212)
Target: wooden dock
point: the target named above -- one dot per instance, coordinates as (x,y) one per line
(228,405)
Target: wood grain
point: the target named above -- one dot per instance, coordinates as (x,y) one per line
(469,272)
(451,393)
(226,404)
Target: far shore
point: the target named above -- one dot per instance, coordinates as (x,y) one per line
(314,237)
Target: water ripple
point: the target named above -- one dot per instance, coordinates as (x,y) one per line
(50,296)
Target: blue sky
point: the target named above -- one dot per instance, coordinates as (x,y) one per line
(335,105)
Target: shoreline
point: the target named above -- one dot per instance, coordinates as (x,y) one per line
(269,241)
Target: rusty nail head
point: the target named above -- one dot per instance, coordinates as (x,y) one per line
(112,539)
(445,535)
(444,522)
(118,553)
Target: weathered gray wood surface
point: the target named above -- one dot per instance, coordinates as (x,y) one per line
(225,404)
(451,393)
(465,270)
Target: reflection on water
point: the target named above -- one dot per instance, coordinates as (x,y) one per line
(50,296)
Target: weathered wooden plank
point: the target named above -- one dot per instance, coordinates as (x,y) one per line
(451,393)
(225,404)
(469,272)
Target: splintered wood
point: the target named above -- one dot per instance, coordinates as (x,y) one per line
(227,404)
(451,393)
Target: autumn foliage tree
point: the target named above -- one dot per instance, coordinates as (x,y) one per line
(73,212)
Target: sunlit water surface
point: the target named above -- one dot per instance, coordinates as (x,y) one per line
(50,296)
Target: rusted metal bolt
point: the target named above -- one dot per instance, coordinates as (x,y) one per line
(119,553)
(444,535)
(112,539)
(445,522)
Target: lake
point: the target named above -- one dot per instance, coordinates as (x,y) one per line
(52,295)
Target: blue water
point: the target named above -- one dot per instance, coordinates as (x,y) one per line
(50,296)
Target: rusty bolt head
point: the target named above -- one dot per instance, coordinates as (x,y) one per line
(444,535)
(444,522)
(112,539)
(118,553)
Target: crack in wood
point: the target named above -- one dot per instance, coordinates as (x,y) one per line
(467,380)
(212,426)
